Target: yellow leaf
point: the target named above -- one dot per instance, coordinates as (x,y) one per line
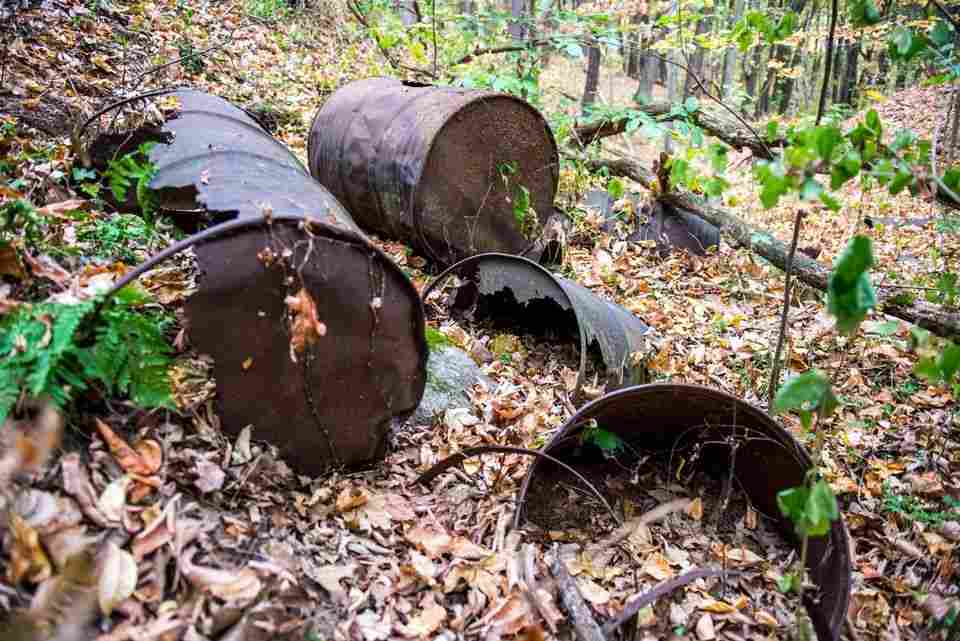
(717,607)
(875,95)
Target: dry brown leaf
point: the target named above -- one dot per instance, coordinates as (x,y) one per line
(113,501)
(763,617)
(592,592)
(399,508)
(305,326)
(432,540)
(77,484)
(510,615)
(32,444)
(28,561)
(230,585)
(431,617)
(736,555)
(210,476)
(695,509)
(329,577)
(127,457)
(351,497)
(705,629)
(117,578)
(658,567)
(466,549)
(717,607)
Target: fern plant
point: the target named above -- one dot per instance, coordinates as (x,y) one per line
(58,350)
(133,170)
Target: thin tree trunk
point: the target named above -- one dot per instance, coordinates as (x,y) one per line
(593,75)
(409,12)
(516,26)
(730,55)
(848,89)
(690,85)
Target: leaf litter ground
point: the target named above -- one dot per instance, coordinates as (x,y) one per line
(200,535)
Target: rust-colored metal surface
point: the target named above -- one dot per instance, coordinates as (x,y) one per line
(621,338)
(768,460)
(435,166)
(331,402)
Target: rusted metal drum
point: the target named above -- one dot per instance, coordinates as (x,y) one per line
(437,167)
(768,459)
(539,297)
(325,401)
(290,261)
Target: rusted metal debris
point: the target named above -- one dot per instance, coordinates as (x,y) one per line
(317,337)
(437,167)
(767,459)
(667,227)
(495,284)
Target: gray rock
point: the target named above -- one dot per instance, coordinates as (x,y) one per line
(451,374)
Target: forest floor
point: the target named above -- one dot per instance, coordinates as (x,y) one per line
(259,552)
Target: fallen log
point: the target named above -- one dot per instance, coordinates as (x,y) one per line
(934,318)
(711,120)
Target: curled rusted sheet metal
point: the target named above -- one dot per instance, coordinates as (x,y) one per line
(332,401)
(436,167)
(768,460)
(622,339)
(669,228)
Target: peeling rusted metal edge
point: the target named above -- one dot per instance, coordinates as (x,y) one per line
(615,330)
(564,299)
(828,618)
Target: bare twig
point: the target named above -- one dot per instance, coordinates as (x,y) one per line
(661,590)
(459,457)
(788,269)
(584,624)
(505,49)
(946,14)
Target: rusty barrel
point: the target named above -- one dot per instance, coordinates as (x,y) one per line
(510,288)
(288,259)
(666,418)
(441,168)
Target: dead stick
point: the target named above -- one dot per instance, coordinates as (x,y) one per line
(661,590)
(584,625)
(788,269)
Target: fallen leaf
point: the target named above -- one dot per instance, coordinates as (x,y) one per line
(427,621)
(77,484)
(28,561)
(117,578)
(230,585)
(210,476)
(592,592)
(430,539)
(351,497)
(127,457)
(113,500)
(305,326)
(705,629)
(329,577)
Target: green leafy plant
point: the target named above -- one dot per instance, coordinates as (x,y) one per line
(133,170)
(939,362)
(124,237)
(20,224)
(57,350)
(609,443)
(850,295)
(190,60)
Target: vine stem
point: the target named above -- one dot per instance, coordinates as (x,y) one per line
(788,268)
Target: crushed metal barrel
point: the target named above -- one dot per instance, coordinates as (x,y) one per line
(668,418)
(518,291)
(317,337)
(453,172)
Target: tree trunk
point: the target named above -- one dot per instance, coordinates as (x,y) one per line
(838,59)
(631,50)
(593,75)
(647,72)
(409,12)
(848,90)
(516,27)
(785,84)
(931,317)
(730,55)
(695,70)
